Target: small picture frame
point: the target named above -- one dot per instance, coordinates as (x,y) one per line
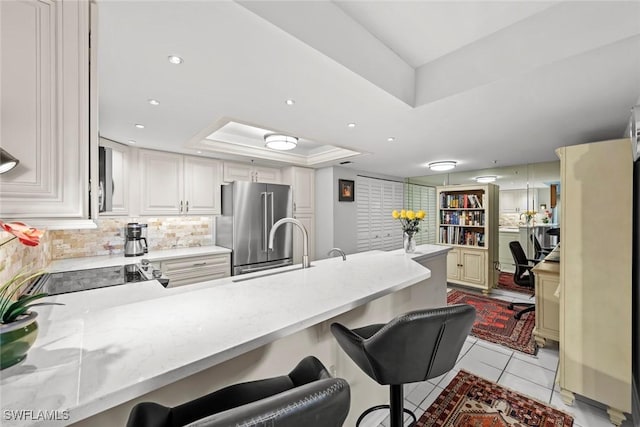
(346,190)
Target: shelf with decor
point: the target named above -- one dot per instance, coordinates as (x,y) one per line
(468,222)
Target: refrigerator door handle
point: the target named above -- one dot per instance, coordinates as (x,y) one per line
(272,214)
(265,229)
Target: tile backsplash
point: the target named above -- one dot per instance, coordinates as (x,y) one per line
(108,238)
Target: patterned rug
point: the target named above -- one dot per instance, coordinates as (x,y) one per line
(495,322)
(469,400)
(505,281)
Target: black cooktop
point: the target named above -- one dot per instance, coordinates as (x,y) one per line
(82,280)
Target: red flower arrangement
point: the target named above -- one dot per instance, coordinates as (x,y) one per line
(28,236)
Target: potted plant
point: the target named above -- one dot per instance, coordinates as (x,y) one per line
(18,326)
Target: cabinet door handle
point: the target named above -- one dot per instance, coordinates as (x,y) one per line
(187,208)
(294,206)
(199,264)
(180,206)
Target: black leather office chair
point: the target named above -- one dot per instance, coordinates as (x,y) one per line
(541,251)
(307,397)
(413,347)
(523,275)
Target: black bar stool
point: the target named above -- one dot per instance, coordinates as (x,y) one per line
(413,347)
(308,397)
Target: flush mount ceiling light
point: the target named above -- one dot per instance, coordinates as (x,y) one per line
(280,142)
(175,59)
(139,126)
(443,165)
(131,141)
(391,139)
(290,101)
(7,161)
(486,178)
(154,102)
(351,125)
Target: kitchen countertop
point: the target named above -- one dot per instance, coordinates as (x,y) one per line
(119,259)
(141,336)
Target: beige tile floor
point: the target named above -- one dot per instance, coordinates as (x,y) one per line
(530,375)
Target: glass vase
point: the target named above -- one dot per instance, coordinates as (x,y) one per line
(409,242)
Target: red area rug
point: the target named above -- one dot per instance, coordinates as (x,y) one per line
(505,281)
(469,400)
(495,322)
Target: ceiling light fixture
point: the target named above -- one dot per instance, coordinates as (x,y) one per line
(444,165)
(154,102)
(175,59)
(351,125)
(7,161)
(391,139)
(131,141)
(139,126)
(280,142)
(486,178)
(290,101)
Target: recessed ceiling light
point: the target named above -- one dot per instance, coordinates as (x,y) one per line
(154,102)
(199,152)
(290,101)
(486,178)
(444,165)
(351,125)
(131,141)
(175,59)
(139,126)
(280,142)
(391,139)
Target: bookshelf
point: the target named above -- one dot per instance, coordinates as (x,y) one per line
(468,222)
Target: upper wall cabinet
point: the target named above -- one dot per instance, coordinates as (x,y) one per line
(302,181)
(248,172)
(173,184)
(518,201)
(45,108)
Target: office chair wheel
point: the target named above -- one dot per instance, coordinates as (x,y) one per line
(510,306)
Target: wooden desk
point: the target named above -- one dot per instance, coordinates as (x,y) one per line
(547,276)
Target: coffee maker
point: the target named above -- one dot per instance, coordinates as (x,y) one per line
(134,244)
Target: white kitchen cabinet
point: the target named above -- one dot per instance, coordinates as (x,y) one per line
(302,182)
(309,223)
(247,172)
(519,201)
(186,271)
(504,253)
(45,108)
(173,184)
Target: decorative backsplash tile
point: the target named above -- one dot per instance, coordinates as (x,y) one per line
(108,238)
(14,255)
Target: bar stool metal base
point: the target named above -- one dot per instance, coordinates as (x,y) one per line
(396,407)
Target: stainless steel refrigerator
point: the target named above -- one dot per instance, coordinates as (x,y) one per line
(249,210)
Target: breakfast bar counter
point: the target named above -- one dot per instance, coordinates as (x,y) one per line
(93,361)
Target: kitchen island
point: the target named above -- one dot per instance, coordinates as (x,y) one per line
(90,365)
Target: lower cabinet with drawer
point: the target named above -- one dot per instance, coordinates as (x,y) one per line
(185,271)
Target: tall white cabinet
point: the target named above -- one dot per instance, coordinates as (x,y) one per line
(45,108)
(375,200)
(302,182)
(595,274)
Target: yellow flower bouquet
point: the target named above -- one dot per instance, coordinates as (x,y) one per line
(528,215)
(409,220)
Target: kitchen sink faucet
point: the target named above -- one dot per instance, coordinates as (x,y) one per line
(305,238)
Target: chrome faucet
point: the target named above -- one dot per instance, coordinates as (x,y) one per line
(305,238)
(340,251)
